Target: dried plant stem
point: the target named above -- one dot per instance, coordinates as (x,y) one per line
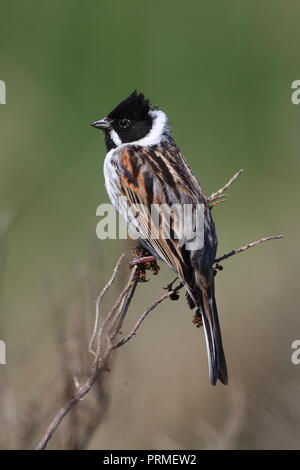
(98,301)
(141,319)
(220,193)
(103,335)
(246,247)
(102,342)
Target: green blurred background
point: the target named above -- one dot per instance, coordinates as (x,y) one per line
(222,70)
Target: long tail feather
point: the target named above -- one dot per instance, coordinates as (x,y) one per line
(215,352)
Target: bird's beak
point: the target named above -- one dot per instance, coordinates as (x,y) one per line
(101,124)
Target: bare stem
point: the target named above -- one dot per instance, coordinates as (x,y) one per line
(246,247)
(103,336)
(143,316)
(220,192)
(98,302)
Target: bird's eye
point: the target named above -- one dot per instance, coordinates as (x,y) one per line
(124,123)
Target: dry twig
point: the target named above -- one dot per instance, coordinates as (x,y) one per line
(220,193)
(102,342)
(103,334)
(144,315)
(246,247)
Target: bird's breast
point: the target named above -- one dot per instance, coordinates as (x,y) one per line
(112,177)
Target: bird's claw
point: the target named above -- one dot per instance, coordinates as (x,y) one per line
(144,262)
(217,267)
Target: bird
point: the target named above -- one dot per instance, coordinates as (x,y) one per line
(144,166)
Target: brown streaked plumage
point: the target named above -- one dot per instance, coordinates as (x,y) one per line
(145,165)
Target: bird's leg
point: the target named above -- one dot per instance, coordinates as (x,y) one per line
(217,267)
(169,288)
(144,262)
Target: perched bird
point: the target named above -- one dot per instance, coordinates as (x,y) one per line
(145,165)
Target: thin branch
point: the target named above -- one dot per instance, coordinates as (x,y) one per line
(98,301)
(102,341)
(126,305)
(141,319)
(218,200)
(104,334)
(144,315)
(55,423)
(246,247)
(220,192)
(106,331)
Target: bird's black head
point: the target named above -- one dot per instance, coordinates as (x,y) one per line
(130,121)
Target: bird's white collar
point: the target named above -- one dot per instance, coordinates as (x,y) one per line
(154,136)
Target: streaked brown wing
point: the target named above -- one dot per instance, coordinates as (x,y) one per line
(161,176)
(152,176)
